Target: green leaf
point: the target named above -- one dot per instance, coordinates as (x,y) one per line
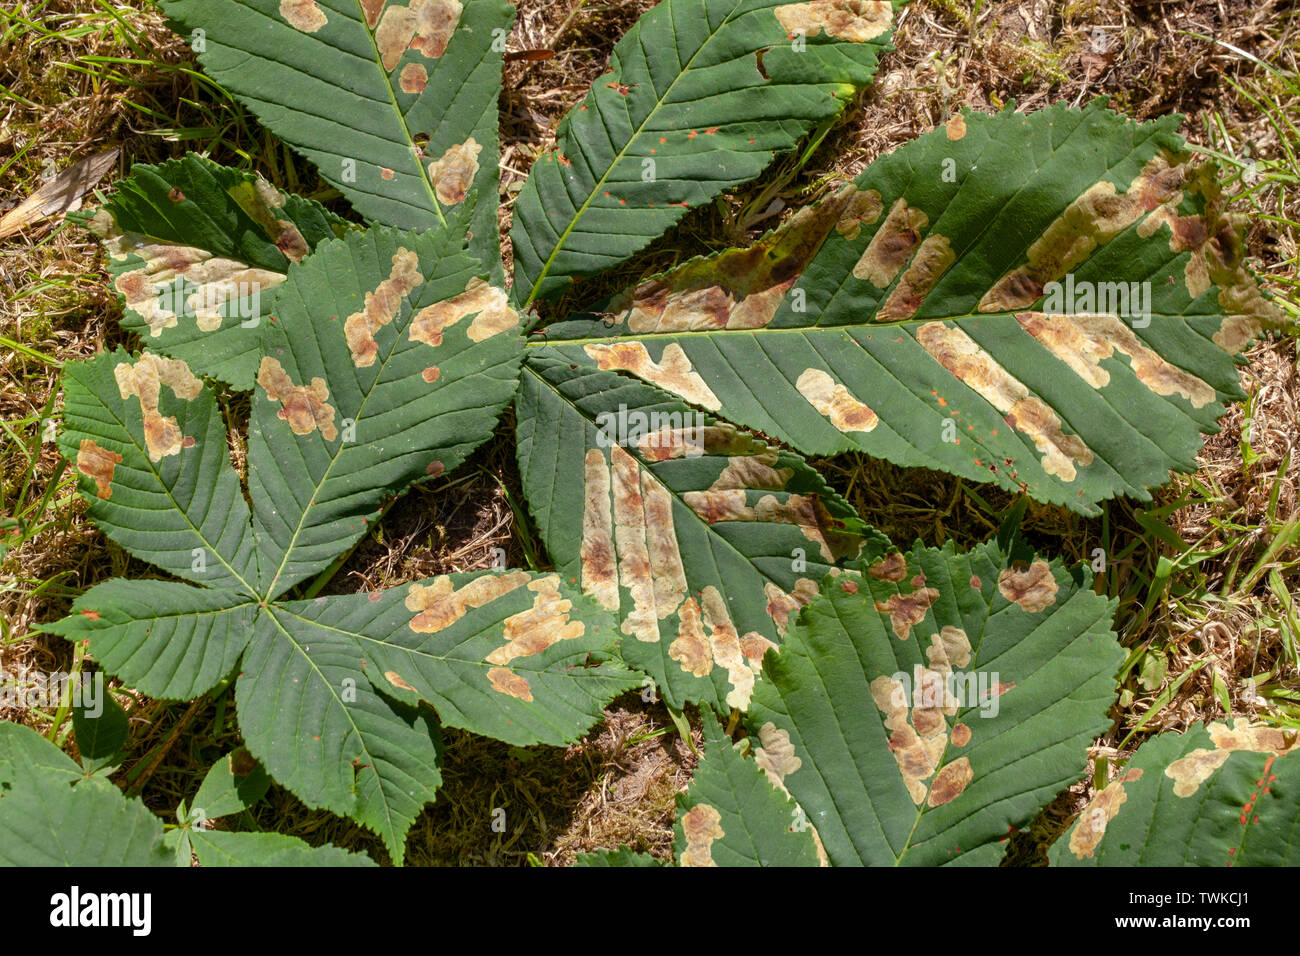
(732,815)
(911,315)
(49,816)
(195,249)
(1217,796)
(389,361)
(156,469)
(919,711)
(101,736)
(232,784)
(307,712)
(513,655)
(169,640)
(700,536)
(358,91)
(219,848)
(623,856)
(700,95)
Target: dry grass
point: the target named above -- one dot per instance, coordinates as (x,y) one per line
(1217,619)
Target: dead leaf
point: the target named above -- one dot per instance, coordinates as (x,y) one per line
(61,194)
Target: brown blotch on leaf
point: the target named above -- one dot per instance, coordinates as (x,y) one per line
(835,401)
(175,195)
(854,20)
(1101,809)
(396,680)
(371,9)
(1082,341)
(434,469)
(956,126)
(976,583)
(413,79)
(781,605)
(536,629)
(892,567)
(918,581)
(1032,587)
(599,575)
(425,26)
(892,245)
(506,681)
(302,406)
(453,172)
(304,15)
(97,463)
(849,587)
(144,380)
(1190,771)
(439,604)
(960,735)
(934,257)
(962,356)
(700,826)
(950,781)
(691,649)
(386,173)
(742,288)
(494,315)
(907,610)
(381,307)
(673,371)
(431,374)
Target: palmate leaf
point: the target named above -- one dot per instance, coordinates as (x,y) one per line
(700,95)
(1226,795)
(50,816)
(150,444)
(386,362)
(732,815)
(195,249)
(918,711)
(702,537)
(389,361)
(912,315)
(396,103)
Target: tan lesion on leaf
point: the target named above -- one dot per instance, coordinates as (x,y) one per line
(752,471)
(959,354)
(892,245)
(670,441)
(538,628)
(933,258)
(144,380)
(742,288)
(599,574)
(707,638)
(261,201)
(397,680)
(672,372)
(949,782)
(907,610)
(452,174)
(381,307)
(892,567)
(701,826)
(494,315)
(98,464)
(425,26)
(1031,586)
(949,649)
(304,15)
(413,79)
(146,287)
(1096,816)
(781,605)
(1197,766)
(1082,341)
(372,8)
(806,512)
(775,756)
(956,126)
(857,21)
(506,681)
(1093,219)
(440,604)
(304,407)
(649,562)
(835,401)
